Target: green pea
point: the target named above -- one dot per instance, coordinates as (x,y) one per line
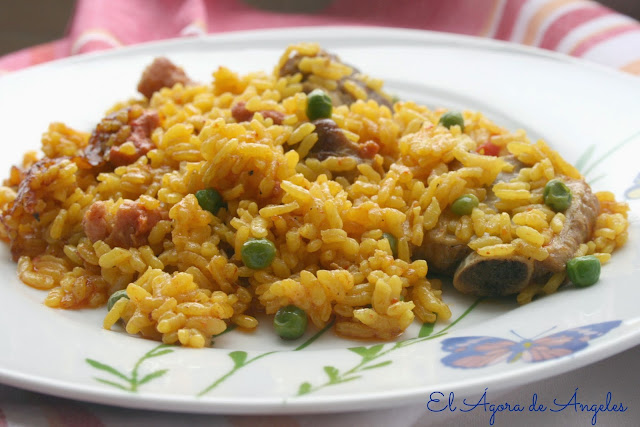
(290,322)
(452,118)
(393,243)
(463,205)
(258,253)
(583,271)
(113,299)
(319,105)
(210,200)
(557,195)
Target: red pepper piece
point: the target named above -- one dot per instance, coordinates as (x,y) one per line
(489,149)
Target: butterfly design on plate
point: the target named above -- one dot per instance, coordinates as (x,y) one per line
(478,352)
(633,192)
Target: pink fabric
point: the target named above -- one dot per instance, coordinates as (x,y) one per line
(571,26)
(567,22)
(508,20)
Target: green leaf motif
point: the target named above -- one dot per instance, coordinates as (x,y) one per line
(346,380)
(239,361)
(584,158)
(238,357)
(614,148)
(596,179)
(362,351)
(332,373)
(378,365)
(161,353)
(131,382)
(106,368)
(367,353)
(112,384)
(153,375)
(376,352)
(426,330)
(304,389)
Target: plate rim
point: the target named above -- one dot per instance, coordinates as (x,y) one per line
(320,403)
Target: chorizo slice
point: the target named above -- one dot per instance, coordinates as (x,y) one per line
(129,226)
(130,125)
(161,73)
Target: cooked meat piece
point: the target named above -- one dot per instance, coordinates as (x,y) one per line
(340,96)
(29,243)
(128,125)
(21,218)
(240,114)
(291,66)
(332,141)
(580,220)
(276,116)
(496,276)
(161,73)
(95,223)
(141,129)
(493,276)
(371,94)
(128,227)
(27,197)
(442,251)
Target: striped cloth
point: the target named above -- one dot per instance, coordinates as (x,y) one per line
(579,28)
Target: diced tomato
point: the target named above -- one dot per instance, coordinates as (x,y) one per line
(489,149)
(369,149)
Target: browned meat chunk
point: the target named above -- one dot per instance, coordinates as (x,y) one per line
(141,129)
(161,73)
(128,227)
(132,125)
(580,220)
(496,276)
(340,96)
(21,219)
(95,223)
(493,276)
(332,141)
(27,197)
(443,251)
(240,113)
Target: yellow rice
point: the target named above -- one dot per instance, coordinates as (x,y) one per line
(189,283)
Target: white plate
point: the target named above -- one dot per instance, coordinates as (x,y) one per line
(571,104)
